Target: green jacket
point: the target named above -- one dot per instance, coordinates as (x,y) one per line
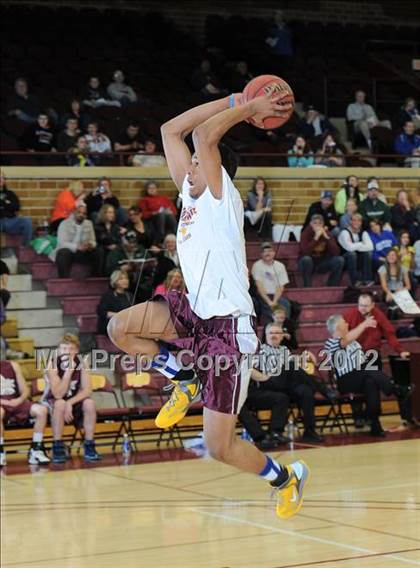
(375,210)
(340,202)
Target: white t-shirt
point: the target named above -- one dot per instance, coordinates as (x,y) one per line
(270,275)
(211,250)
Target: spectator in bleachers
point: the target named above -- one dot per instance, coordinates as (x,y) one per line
(417,261)
(76,242)
(258,208)
(40,137)
(10,221)
(324,207)
(301,155)
(173,281)
(169,247)
(159,209)
(403,216)
(270,277)
(288,327)
(358,249)
(76,111)
(351,208)
(68,137)
(373,181)
(131,140)
(99,196)
(119,91)
(207,82)
(23,105)
(405,251)
(329,155)
(78,155)
(66,202)
(290,380)
(144,231)
(348,360)
(408,113)
(315,124)
(148,158)
(113,301)
(98,142)
(408,144)
(383,241)
(393,277)
(319,252)
(279,37)
(349,190)
(17,409)
(95,96)
(240,77)
(68,396)
(362,117)
(108,232)
(373,208)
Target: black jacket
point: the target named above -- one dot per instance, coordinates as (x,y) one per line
(94,202)
(9,203)
(106,237)
(111,302)
(328,214)
(402,219)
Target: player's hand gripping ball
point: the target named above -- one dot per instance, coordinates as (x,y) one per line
(265,85)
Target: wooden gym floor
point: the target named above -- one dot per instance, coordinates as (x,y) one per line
(362,510)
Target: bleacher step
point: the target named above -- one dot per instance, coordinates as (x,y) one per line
(19,283)
(27,300)
(45,337)
(71,287)
(10,328)
(38,318)
(77,305)
(47,270)
(24,344)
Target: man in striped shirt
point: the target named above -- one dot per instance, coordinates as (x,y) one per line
(354,373)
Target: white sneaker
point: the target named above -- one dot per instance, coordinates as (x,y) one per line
(38,456)
(3,460)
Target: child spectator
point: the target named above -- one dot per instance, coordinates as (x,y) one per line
(10,222)
(113,301)
(174,281)
(406,253)
(15,407)
(297,157)
(350,190)
(258,210)
(97,141)
(68,137)
(68,396)
(351,208)
(66,202)
(319,252)
(95,96)
(288,327)
(393,277)
(79,156)
(382,240)
(119,91)
(40,137)
(159,209)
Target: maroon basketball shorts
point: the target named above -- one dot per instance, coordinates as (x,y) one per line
(221,349)
(19,414)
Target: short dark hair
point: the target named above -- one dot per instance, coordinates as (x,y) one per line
(230,160)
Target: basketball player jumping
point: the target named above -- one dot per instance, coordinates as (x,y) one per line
(215,317)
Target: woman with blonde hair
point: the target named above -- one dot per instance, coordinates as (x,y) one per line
(174,281)
(113,301)
(66,202)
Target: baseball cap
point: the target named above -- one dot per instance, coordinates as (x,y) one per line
(373,184)
(326,195)
(266,245)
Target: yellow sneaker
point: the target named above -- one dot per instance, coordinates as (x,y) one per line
(290,495)
(183,395)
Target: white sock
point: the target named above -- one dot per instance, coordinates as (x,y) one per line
(272,470)
(1,440)
(37,437)
(166,363)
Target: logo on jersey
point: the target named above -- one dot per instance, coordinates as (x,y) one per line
(187,218)
(7,386)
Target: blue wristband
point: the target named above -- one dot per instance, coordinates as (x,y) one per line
(232,100)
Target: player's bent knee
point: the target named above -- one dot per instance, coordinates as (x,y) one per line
(59,406)
(115,329)
(89,405)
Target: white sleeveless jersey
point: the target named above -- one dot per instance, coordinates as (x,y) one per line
(211,249)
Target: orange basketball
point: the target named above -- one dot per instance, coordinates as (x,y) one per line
(256,88)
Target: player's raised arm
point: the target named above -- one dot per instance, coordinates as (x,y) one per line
(207,135)
(177,129)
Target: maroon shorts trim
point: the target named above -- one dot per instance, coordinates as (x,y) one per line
(20,414)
